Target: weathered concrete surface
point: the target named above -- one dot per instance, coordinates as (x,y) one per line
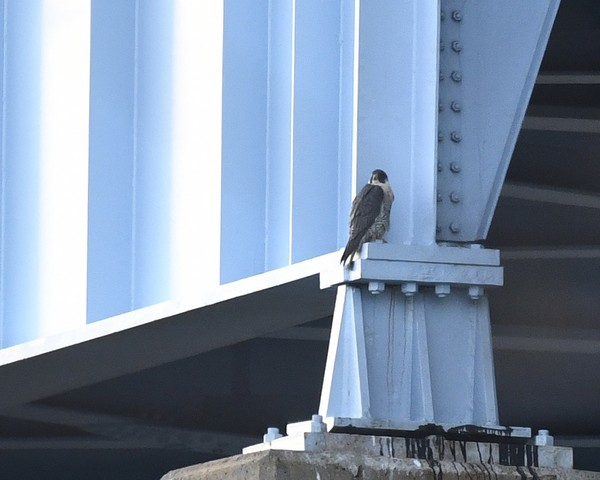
(291,465)
(433,448)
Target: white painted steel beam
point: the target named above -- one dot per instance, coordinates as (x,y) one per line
(397,110)
(45,114)
(195,188)
(287,132)
(226,315)
(64,117)
(130,201)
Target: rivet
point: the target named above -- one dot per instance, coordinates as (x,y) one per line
(442,46)
(438,229)
(456,46)
(456,107)
(455,197)
(442,15)
(455,137)
(442,76)
(440,137)
(454,227)
(457,16)
(439,198)
(440,107)
(454,167)
(456,76)
(440,167)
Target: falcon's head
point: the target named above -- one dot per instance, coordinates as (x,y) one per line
(378,176)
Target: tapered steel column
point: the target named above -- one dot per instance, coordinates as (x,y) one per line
(411,340)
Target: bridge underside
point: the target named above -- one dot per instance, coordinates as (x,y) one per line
(205,391)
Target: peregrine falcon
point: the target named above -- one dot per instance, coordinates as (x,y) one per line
(370,214)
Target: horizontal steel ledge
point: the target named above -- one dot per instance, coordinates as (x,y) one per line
(401,266)
(468,254)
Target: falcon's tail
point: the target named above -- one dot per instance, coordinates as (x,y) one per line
(350,250)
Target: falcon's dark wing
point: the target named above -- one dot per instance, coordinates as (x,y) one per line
(365,209)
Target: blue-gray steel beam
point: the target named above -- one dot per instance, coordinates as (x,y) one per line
(490,53)
(20,166)
(287,132)
(397,106)
(129,187)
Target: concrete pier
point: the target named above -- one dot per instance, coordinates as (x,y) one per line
(293,465)
(338,456)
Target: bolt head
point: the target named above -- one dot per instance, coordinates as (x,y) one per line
(456,107)
(376,287)
(454,197)
(456,76)
(454,167)
(475,292)
(455,137)
(454,227)
(456,46)
(457,16)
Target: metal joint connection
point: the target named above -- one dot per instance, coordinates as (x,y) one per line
(376,287)
(272,434)
(456,76)
(455,167)
(455,137)
(442,290)
(409,288)
(455,197)
(457,16)
(475,292)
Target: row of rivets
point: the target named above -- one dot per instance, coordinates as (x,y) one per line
(456,76)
